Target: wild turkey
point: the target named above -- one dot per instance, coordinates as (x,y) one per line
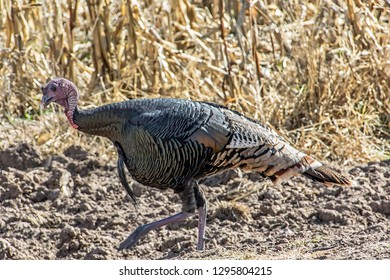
(171,143)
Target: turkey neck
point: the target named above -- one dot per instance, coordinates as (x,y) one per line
(102,121)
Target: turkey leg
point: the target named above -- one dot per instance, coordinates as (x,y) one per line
(144,229)
(192,198)
(202,215)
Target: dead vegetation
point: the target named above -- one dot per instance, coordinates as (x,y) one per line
(318,71)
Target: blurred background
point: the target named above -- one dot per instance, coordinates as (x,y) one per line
(317,71)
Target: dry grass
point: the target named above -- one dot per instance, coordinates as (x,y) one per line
(318,71)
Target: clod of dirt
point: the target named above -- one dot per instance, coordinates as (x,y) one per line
(381,207)
(271,209)
(6,249)
(76,152)
(327,215)
(59,178)
(20,157)
(40,195)
(96,254)
(10,191)
(67,234)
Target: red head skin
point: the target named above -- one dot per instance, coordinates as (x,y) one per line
(64,93)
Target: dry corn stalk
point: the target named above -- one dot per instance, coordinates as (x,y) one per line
(319,70)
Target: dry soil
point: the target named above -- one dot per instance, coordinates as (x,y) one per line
(72,206)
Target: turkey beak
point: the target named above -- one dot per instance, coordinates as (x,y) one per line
(45,99)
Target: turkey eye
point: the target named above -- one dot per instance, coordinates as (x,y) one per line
(53,88)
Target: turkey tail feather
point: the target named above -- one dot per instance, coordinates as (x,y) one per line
(327,176)
(313,169)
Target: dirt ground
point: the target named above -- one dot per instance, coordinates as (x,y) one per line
(72,206)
